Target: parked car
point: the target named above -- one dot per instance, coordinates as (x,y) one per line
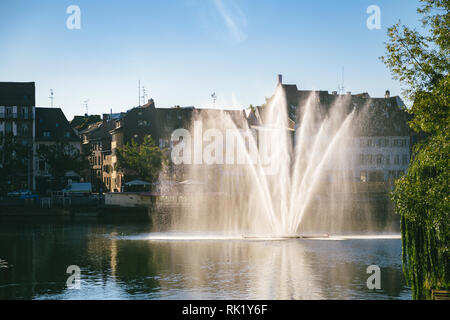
(19,193)
(23,194)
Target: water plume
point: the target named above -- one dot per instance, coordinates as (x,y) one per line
(284,179)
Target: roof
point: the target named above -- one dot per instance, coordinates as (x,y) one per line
(138,183)
(17,94)
(386,116)
(52,125)
(99,130)
(81,123)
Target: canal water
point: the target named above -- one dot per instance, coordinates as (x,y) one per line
(122,261)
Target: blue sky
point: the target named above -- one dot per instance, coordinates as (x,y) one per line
(183,50)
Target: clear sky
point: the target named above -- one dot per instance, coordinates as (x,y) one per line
(184,50)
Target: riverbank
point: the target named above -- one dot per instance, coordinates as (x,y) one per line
(100,212)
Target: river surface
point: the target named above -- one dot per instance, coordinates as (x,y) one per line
(125,261)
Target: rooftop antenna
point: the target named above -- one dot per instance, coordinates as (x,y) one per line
(51,97)
(144,94)
(214,98)
(85,104)
(341,87)
(139,92)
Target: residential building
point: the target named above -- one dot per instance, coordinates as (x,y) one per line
(382,140)
(51,127)
(135,124)
(17,108)
(97,145)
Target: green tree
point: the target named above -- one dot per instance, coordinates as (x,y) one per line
(420,61)
(60,158)
(145,159)
(14,162)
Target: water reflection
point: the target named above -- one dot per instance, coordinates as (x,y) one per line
(116,265)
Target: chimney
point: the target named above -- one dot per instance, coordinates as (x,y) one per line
(280,79)
(387,94)
(349,93)
(334,93)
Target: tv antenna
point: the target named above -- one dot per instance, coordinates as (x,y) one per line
(341,87)
(51,97)
(85,104)
(214,98)
(144,95)
(139,92)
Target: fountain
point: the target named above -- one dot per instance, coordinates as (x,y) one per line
(268,179)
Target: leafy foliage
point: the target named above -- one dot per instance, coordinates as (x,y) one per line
(14,158)
(60,158)
(422,199)
(145,159)
(421,62)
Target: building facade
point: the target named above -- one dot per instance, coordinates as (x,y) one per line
(17,113)
(51,127)
(382,140)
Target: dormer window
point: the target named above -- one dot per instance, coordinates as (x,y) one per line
(47,134)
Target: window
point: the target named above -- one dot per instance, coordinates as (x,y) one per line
(388,159)
(67,134)
(386,143)
(370,143)
(405,159)
(46,133)
(24,113)
(376,176)
(362,143)
(392,174)
(379,159)
(24,130)
(361,159)
(397,159)
(363,176)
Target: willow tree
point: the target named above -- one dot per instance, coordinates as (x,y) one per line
(420,61)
